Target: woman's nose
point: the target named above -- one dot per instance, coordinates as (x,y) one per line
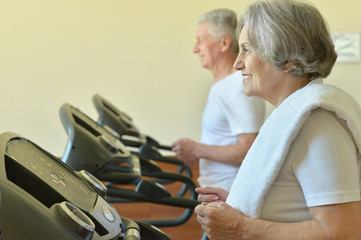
(239,63)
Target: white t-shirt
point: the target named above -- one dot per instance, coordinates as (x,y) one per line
(322,167)
(228,113)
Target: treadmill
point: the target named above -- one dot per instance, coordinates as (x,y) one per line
(43,198)
(122,125)
(93,148)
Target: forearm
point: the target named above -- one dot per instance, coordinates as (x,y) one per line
(266,230)
(232,154)
(229,154)
(337,221)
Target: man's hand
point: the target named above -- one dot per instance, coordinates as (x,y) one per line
(186,150)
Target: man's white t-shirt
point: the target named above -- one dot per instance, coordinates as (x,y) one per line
(228,113)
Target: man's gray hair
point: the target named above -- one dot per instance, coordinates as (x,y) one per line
(222,22)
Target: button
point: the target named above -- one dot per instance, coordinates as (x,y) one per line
(108,214)
(62,182)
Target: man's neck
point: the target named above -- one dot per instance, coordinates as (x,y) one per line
(223,69)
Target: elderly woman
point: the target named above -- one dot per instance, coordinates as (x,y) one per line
(301,177)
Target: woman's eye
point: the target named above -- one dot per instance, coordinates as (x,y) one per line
(247,51)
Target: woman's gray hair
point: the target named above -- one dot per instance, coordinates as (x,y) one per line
(288,31)
(222,22)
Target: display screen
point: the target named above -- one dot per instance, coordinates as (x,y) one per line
(48,175)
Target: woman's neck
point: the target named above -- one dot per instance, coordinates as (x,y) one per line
(290,86)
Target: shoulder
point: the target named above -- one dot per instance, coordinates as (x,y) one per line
(233,81)
(326,125)
(324,118)
(229,86)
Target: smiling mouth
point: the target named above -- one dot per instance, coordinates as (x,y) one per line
(246,78)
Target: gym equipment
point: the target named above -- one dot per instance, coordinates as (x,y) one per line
(122,127)
(122,124)
(93,148)
(43,198)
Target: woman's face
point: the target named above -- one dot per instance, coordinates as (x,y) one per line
(260,79)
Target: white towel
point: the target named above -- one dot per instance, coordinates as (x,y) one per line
(264,160)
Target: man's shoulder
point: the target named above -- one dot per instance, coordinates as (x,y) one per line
(231,83)
(233,76)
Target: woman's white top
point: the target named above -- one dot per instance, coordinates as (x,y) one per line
(321,168)
(306,155)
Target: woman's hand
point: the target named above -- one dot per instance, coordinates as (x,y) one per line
(211,194)
(220,221)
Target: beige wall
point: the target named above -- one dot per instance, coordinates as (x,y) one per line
(136,53)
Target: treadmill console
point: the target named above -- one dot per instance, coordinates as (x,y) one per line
(43,198)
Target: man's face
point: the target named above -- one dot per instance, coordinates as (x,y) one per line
(206,47)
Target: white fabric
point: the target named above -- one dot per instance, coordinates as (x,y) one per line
(227,114)
(313,172)
(266,156)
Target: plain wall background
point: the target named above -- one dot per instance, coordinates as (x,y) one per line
(135,53)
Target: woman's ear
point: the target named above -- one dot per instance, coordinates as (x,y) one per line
(225,42)
(288,66)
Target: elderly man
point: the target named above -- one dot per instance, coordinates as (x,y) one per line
(230,120)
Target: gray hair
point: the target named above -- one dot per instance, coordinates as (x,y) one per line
(222,22)
(288,31)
